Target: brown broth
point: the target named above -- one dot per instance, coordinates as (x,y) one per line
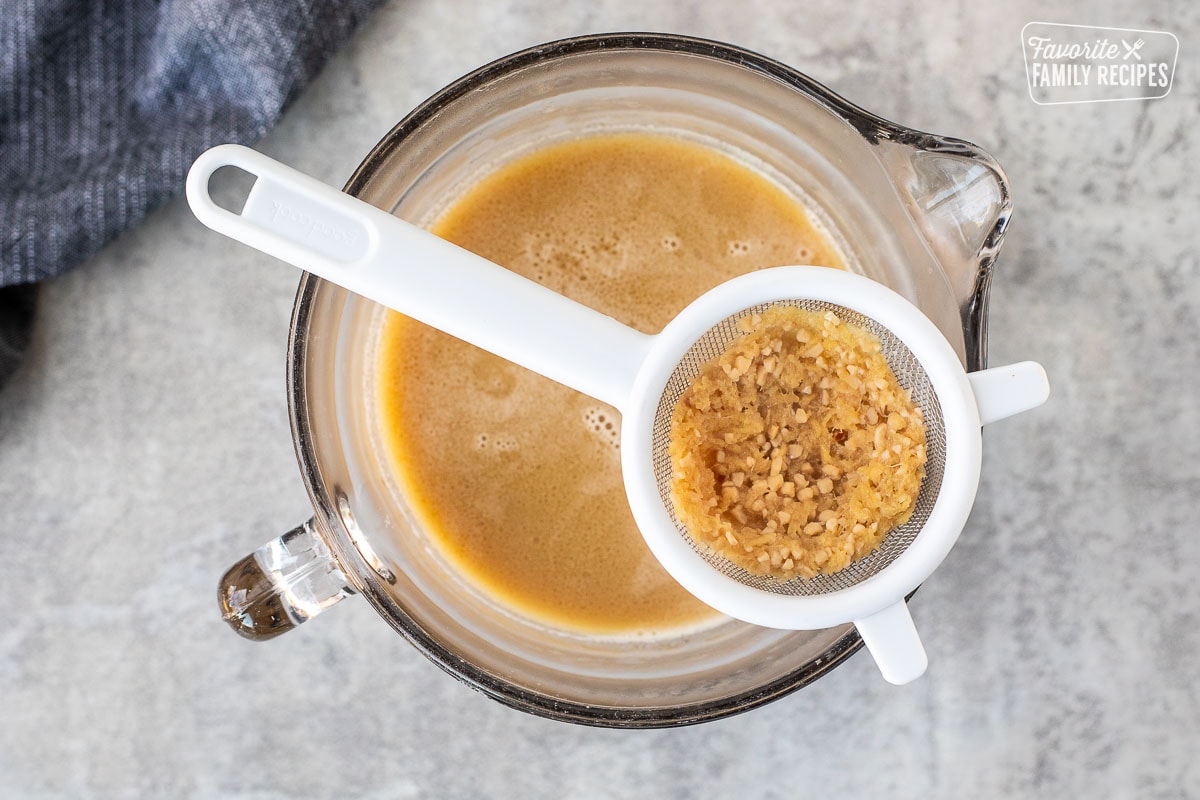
(517,479)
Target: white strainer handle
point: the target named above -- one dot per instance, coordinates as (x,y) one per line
(344,240)
(1004,391)
(893,641)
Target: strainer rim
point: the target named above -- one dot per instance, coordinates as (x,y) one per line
(962,459)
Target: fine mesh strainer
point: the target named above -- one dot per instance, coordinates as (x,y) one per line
(911,376)
(368,251)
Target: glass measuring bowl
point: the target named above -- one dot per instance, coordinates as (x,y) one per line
(921,213)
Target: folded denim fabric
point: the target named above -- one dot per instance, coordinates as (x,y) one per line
(104,105)
(16,320)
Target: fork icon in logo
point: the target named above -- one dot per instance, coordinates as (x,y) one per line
(1132,50)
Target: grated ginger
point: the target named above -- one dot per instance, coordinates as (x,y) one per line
(796,451)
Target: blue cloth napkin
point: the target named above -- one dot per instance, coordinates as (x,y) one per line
(104,105)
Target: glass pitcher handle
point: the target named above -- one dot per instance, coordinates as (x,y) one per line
(282,584)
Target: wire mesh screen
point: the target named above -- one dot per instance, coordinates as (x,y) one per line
(910,375)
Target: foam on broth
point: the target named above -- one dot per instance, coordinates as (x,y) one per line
(516,479)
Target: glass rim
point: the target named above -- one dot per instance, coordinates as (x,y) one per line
(871,126)
(521,698)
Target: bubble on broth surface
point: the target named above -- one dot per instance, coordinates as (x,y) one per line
(604,423)
(500,443)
